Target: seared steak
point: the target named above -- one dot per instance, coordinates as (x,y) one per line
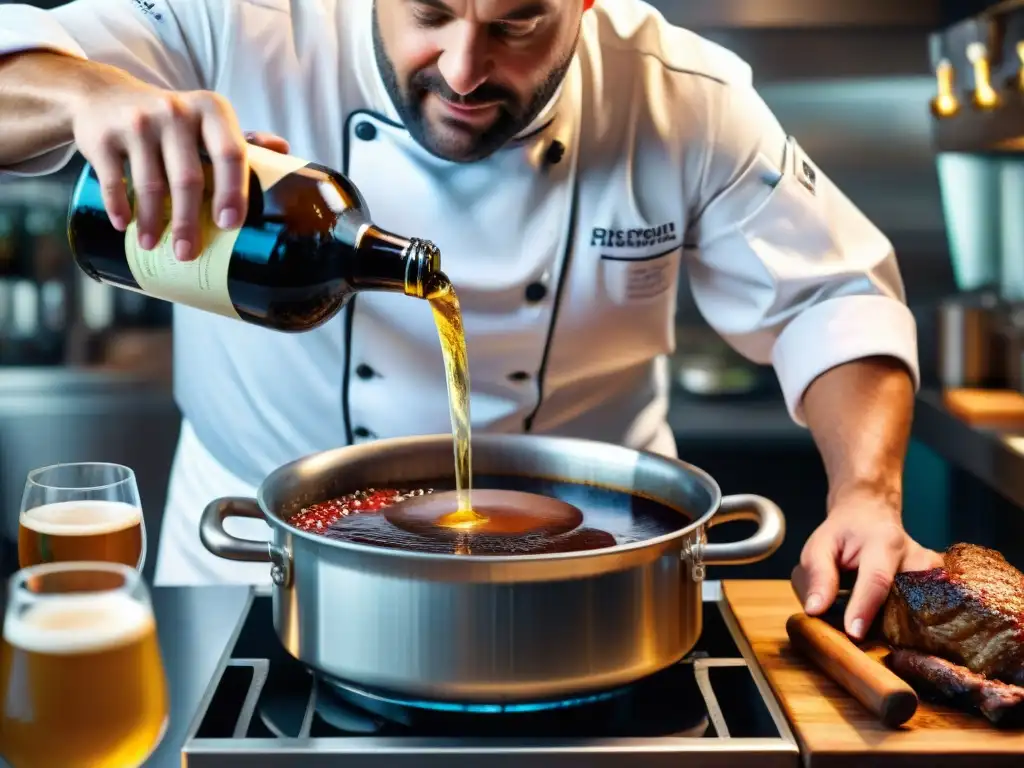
(949,683)
(970,612)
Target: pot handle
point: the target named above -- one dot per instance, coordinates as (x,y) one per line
(222,544)
(771,530)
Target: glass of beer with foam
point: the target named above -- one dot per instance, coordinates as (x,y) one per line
(82,680)
(81,512)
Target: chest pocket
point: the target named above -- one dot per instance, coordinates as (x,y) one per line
(634,280)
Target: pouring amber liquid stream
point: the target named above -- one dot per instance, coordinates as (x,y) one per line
(444,303)
(497,512)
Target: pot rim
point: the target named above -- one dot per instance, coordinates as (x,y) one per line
(344,454)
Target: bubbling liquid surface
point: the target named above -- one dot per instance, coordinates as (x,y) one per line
(609,518)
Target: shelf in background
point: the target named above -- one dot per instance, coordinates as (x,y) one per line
(997,131)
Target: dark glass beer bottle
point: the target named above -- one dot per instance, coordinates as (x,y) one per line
(307,245)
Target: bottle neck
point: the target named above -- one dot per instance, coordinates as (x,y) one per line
(384,261)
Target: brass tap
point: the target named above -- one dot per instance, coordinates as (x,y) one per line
(985,96)
(945,103)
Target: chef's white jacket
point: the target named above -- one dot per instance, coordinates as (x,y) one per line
(656,154)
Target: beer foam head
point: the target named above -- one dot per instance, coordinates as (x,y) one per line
(81,518)
(78,623)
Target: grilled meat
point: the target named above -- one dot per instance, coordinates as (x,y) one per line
(949,683)
(970,612)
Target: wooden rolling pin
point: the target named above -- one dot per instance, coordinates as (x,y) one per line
(873,684)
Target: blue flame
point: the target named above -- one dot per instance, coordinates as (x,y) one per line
(508,708)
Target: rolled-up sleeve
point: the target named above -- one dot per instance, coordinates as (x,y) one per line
(168,43)
(782,264)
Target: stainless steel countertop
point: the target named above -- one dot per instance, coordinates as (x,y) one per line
(195,625)
(994,454)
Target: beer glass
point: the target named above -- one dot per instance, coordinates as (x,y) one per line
(81,512)
(82,680)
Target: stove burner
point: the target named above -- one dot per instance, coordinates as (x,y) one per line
(382,702)
(643,707)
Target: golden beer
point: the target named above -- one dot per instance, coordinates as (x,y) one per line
(83,530)
(82,683)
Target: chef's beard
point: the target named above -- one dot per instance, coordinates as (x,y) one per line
(513,116)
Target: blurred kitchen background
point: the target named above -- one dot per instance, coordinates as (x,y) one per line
(85,370)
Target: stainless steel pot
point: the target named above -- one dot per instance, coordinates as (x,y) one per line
(490,629)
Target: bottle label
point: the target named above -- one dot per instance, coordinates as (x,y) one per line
(203,282)
(270,167)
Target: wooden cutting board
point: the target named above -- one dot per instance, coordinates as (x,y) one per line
(832,728)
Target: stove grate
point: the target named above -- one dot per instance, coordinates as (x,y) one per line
(304,707)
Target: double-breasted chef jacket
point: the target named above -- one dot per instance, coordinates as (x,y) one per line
(656,154)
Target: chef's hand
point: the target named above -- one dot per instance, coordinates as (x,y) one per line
(159,133)
(861,532)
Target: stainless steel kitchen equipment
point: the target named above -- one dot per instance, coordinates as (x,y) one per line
(490,629)
(714,708)
(1012,342)
(971,193)
(972,340)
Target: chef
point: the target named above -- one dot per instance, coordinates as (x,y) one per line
(568,160)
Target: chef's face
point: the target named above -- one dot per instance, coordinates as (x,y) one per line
(468,75)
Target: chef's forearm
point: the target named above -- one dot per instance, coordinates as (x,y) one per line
(860,416)
(38,94)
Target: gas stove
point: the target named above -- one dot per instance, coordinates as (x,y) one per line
(265,709)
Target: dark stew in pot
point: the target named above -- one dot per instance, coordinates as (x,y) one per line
(609,517)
